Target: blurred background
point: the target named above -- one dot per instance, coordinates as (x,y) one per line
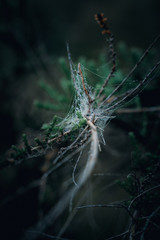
(33,35)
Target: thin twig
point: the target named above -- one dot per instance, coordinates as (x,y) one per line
(21,191)
(108,206)
(103,24)
(70,218)
(138,110)
(134,68)
(106,81)
(147,222)
(71,65)
(70,146)
(46,235)
(74,170)
(141,194)
(119,235)
(111,74)
(64,160)
(83,83)
(135,90)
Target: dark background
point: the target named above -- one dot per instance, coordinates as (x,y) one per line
(33,35)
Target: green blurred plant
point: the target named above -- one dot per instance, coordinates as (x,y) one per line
(143,187)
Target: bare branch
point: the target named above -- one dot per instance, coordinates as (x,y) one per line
(71,65)
(119,235)
(138,110)
(132,93)
(115,205)
(70,146)
(103,24)
(148,220)
(84,87)
(143,193)
(135,67)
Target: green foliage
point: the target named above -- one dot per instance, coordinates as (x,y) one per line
(39,142)
(46,105)
(60,99)
(96,71)
(26,144)
(64,67)
(52,92)
(136,151)
(129,185)
(52,127)
(19,153)
(142,185)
